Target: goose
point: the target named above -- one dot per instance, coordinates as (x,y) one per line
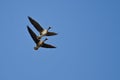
(43,32)
(39,43)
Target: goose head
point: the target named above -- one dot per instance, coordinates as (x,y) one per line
(49,28)
(45,39)
(35,48)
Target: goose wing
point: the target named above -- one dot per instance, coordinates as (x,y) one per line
(36,24)
(51,33)
(33,35)
(48,46)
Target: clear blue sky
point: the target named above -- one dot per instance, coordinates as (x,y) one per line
(88,44)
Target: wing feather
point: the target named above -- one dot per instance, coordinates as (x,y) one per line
(36,24)
(33,35)
(48,46)
(51,34)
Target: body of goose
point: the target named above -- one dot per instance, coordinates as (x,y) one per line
(43,32)
(39,43)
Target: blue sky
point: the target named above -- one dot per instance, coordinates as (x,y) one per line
(88,44)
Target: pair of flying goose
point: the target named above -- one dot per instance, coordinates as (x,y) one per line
(42,32)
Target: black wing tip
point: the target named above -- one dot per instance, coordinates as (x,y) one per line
(28,27)
(54,47)
(33,35)
(48,46)
(28,17)
(56,33)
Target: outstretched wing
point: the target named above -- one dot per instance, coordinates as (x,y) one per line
(33,35)
(36,24)
(48,46)
(51,34)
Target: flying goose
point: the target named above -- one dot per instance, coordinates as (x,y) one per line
(39,43)
(43,32)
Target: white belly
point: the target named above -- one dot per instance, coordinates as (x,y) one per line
(44,32)
(40,43)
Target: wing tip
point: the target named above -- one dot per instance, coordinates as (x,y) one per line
(28,27)
(56,33)
(53,46)
(30,18)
